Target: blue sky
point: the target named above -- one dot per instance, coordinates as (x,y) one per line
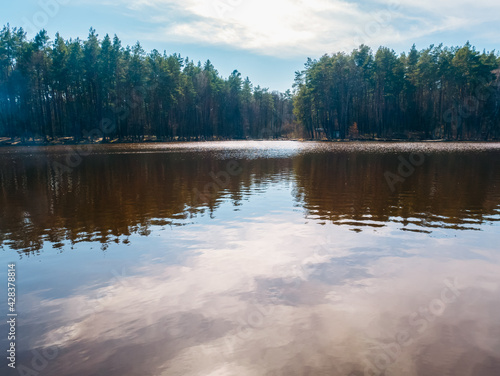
(267,40)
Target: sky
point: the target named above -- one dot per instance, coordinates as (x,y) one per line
(266,40)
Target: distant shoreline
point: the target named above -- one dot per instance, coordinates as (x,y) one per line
(63,142)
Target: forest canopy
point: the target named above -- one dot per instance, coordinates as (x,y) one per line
(79,89)
(75,90)
(437,93)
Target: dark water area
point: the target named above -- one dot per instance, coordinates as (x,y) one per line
(253,258)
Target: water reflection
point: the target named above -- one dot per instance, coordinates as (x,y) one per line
(120,190)
(455,190)
(257,271)
(260,299)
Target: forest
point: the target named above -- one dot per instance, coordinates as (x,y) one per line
(72,90)
(77,90)
(449,93)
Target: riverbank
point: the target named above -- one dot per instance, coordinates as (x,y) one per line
(7,141)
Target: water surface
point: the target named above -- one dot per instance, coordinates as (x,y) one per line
(254,258)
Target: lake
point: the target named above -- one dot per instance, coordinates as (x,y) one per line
(253,258)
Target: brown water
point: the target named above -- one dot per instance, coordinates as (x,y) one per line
(253,258)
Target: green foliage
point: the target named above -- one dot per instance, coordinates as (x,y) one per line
(440,93)
(68,88)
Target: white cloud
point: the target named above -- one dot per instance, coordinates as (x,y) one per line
(252,291)
(289,28)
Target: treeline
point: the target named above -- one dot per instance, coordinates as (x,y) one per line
(85,89)
(97,88)
(436,93)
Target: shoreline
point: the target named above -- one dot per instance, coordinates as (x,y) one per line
(38,143)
